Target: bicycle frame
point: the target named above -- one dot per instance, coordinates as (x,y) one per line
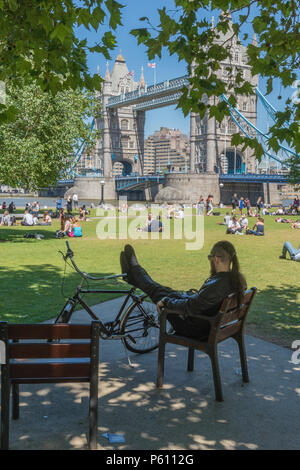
(77,299)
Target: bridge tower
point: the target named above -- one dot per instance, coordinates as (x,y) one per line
(211,149)
(122,128)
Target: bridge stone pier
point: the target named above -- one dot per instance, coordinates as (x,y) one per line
(187,188)
(89,187)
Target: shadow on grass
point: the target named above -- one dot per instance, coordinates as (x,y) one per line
(16,234)
(38,292)
(276,311)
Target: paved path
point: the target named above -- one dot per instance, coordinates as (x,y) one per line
(263,414)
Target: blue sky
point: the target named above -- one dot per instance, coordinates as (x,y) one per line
(166,68)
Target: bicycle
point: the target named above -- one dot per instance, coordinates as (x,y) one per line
(136,324)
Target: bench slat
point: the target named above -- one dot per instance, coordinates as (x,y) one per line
(49,331)
(53,370)
(48,350)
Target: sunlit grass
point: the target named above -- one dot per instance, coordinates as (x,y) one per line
(32,271)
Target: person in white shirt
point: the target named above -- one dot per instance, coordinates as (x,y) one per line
(179,214)
(27,219)
(226,219)
(75,201)
(234,226)
(243,222)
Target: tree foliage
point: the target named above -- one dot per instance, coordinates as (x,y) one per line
(186,32)
(38,42)
(39,144)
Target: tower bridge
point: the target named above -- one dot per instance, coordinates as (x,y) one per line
(213,161)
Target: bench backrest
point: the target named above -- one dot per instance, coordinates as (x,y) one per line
(30,360)
(231,317)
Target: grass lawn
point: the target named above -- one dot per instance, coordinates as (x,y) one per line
(32,271)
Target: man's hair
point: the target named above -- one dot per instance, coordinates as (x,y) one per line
(226,251)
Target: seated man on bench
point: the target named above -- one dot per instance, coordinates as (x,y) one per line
(225,278)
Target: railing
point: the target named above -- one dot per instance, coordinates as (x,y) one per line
(253,177)
(125,182)
(166,87)
(158,102)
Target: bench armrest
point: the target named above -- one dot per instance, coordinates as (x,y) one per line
(210,319)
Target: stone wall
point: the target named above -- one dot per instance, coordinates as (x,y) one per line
(90,188)
(187,188)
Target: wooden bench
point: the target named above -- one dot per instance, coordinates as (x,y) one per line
(23,364)
(228,323)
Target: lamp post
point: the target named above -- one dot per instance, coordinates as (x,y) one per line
(221,187)
(102,183)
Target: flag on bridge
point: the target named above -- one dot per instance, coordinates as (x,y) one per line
(131,73)
(152,65)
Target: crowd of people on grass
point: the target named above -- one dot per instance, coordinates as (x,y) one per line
(69,223)
(240,225)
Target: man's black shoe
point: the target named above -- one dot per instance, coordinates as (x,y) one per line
(130,256)
(124,265)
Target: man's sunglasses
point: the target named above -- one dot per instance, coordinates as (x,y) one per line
(210,256)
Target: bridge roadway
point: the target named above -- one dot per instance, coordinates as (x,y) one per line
(154,96)
(129,183)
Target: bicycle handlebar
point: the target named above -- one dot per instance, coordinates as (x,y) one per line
(70,254)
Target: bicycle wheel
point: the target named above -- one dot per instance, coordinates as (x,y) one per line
(140,325)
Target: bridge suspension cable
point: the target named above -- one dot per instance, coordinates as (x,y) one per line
(251,131)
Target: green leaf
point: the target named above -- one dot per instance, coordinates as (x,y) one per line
(13,4)
(114,9)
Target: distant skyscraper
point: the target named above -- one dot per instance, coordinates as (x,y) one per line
(166,149)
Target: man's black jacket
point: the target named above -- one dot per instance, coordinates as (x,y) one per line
(207,301)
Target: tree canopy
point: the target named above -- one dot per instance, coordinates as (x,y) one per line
(38,42)
(39,144)
(187,32)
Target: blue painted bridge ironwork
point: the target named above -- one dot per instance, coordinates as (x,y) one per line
(132,183)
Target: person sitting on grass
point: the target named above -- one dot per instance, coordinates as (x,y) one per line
(243,222)
(86,211)
(226,219)
(234,227)
(258,228)
(27,219)
(288,248)
(68,225)
(82,215)
(225,278)
(62,231)
(8,219)
(156,225)
(46,219)
(76,228)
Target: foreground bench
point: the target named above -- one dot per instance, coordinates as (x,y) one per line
(23,365)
